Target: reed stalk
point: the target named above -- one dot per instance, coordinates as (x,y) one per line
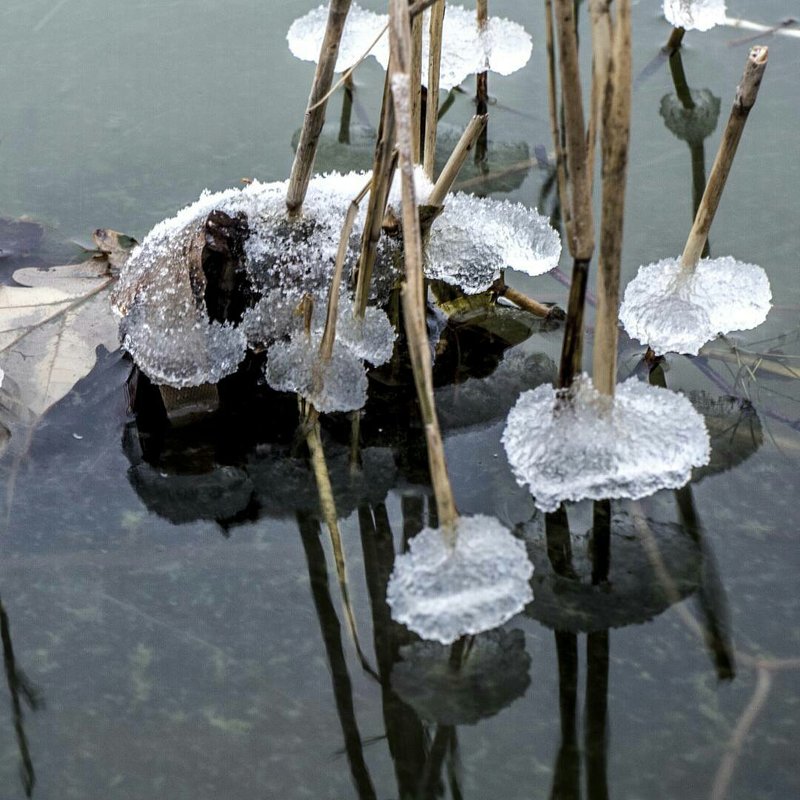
(413,291)
(615,138)
(482,86)
(315,111)
(416,88)
(526,303)
(580,235)
(457,158)
(745,98)
(434,71)
(382,171)
(600,13)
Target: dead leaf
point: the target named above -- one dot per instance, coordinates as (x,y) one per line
(53,320)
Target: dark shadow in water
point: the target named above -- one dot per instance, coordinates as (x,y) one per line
(20,689)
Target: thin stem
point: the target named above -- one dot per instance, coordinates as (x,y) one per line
(315,113)
(482,86)
(416,86)
(601,62)
(434,71)
(413,292)
(457,158)
(746,94)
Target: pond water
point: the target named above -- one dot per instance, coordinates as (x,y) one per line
(170,598)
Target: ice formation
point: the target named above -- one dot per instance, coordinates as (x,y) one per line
(442,592)
(678,310)
(695,15)
(691,125)
(502,47)
(492,672)
(581,444)
(475,237)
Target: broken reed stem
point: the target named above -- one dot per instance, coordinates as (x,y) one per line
(434,71)
(413,291)
(482,85)
(527,303)
(555,128)
(615,138)
(315,112)
(601,60)
(329,334)
(675,40)
(457,158)
(580,238)
(746,94)
(382,171)
(416,87)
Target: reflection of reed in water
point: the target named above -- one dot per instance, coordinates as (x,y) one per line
(20,689)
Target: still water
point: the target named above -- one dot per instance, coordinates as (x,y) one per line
(173,624)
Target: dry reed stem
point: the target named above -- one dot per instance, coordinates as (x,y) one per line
(746,94)
(416,87)
(482,78)
(601,60)
(528,303)
(555,128)
(382,171)
(413,292)
(329,333)
(434,71)
(615,137)
(315,112)
(457,158)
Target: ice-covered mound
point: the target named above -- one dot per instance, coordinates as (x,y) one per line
(691,125)
(475,237)
(448,687)
(672,309)
(694,15)
(580,444)
(502,46)
(443,592)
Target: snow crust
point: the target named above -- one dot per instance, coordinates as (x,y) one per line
(581,444)
(442,592)
(677,310)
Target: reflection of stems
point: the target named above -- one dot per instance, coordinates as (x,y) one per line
(18,685)
(347,111)
(559,543)
(430,782)
(600,542)
(596,715)
(566,775)
(331,635)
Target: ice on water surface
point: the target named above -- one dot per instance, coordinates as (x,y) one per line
(442,592)
(475,237)
(676,310)
(694,15)
(590,446)
(503,47)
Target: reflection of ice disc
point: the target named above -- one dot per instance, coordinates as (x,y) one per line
(442,593)
(677,310)
(691,125)
(590,446)
(633,593)
(449,688)
(694,15)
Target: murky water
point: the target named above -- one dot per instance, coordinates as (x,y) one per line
(170,601)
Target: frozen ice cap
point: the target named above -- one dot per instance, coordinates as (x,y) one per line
(475,237)
(581,444)
(502,47)
(443,592)
(691,125)
(672,309)
(694,15)
(451,688)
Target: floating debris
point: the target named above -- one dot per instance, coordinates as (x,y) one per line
(443,590)
(463,683)
(676,310)
(695,15)
(580,444)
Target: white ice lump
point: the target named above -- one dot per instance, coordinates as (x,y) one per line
(695,15)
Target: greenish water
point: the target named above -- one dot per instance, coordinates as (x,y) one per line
(172,597)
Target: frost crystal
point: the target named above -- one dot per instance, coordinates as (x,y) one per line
(677,310)
(475,237)
(442,592)
(503,47)
(695,15)
(451,689)
(588,445)
(691,125)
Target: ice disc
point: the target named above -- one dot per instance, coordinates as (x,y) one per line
(442,592)
(581,444)
(694,15)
